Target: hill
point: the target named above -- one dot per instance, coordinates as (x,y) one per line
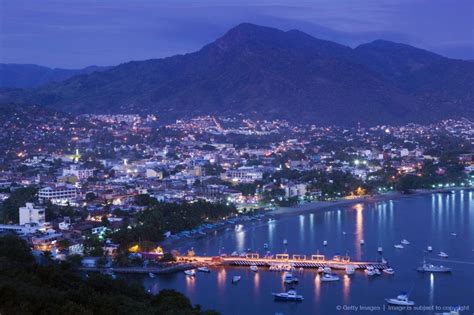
(265,72)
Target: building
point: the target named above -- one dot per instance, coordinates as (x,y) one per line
(294,190)
(243,175)
(60,194)
(31,214)
(80,173)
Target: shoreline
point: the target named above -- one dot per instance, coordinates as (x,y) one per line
(314,206)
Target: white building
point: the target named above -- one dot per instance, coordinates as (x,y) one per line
(32,214)
(243,175)
(80,173)
(60,194)
(295,190)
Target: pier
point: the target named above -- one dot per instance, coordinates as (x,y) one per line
(297,261)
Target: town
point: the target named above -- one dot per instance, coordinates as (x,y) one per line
(121,189)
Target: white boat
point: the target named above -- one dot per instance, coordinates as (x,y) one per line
(204,269)
(254,268)
(399,246)
(151,274)
(377,271)
(432,268)
(288,278)
(325,243)
(384,261)
(379,249)
(327,270)
(405,242)
(190,272)
(350,270)
(236,279)
(285,242)
(429,248)
(443,255)
(389,271)
(330,277)
(234,254)
(291,295)
(320,269)
(301,269)
(454,234)
(362,242)
(370,271)
(401,299)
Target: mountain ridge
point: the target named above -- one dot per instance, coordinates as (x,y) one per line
(266,72)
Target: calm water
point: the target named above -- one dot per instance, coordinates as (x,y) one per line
(423,220)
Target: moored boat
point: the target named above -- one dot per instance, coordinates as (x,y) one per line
(399,246)
(254,268)
(236,279)
(350,270)
(432,268)
(288,278)
(388,271)
(190,272)
(291,295)
(401,299)
(405,242)
(443,255)
(204,269)
(327,277)
(151,274)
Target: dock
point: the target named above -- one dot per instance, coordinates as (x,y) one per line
(297,261)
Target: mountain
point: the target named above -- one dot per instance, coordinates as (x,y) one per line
(27,76)
(265,72)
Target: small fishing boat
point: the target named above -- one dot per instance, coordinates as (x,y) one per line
(151,275)
(285,242)
(190,273)
(388,271)
(288,278)
(379,249)
(350,270)
(405,242)
(398,246)
(370,271)
(401,299)
(432,268)
(325,243)
(443,255)
(291,295)
(328,277)
(362,242)
(204,269)
(429,248)
(327,270)
(236,279)
(320,269)
(253,268)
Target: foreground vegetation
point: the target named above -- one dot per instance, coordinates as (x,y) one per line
(27,287)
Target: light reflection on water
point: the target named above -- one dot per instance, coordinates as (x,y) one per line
(423,220)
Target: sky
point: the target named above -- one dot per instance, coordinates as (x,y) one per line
(79,33)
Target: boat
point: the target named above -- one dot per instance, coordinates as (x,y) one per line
(190,272)
(236,279)
(379,249)
(325,243)
(291,295)
(388,271)
(405,242)
(254,268)
(288,278)
(234,254)
(320,269)
(350,270)
(265,245)
(377,271)
(327,270)
(399,246)
(370,270)
(362,242)
(401,299)
(204,269)
(429,248)
(443,255)
(151,274)
(330,277)
(432,268)
(454,234)
(384,261)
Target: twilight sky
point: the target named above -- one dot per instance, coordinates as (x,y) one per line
(78,33)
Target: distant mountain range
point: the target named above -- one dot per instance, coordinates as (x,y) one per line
(28,76)
(264,72)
